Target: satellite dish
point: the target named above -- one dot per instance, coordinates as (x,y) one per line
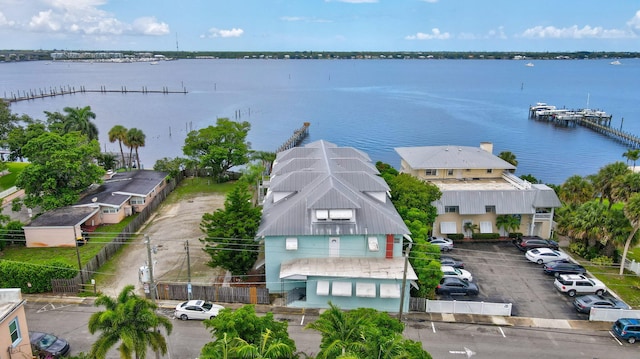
(94,199)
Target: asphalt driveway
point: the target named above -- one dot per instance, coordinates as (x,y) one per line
(504,275)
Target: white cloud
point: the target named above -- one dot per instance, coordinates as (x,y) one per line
(574,32)
(150,26)
(634,23)
(213,32)
(434,35)
(4,22)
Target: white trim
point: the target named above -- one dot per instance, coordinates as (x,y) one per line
(322,287)
(389,290)
(291,244)
(448,227)
(366,290)
(486,227)
(342,289)
(373,244)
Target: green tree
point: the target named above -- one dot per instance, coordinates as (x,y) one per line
(508,156)
(508,222)
(604,179)
(61,168)
(119,133)
(230,232)
(576,190)
(632,155)
(408,192)
(632,212)
(79,119)
(266,158)
(530,178)
(267,348)
(219,147)
(244,324)
(424,260)
(130,320)
(107,160)
(19,136)
(135,139)
(173,166)
(624,186)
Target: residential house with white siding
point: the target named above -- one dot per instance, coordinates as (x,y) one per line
(331,233)
(477,187)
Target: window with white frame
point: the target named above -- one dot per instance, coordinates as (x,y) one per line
(108,210)
(490,209)
(322,214)
(137,200)
(449,172)
(450,209)
(366,290)
(14,332)
(389,290)
(341,289)
(291,244)
(322,288)
(373,244)
(448,227)
(486,227)
(431,172)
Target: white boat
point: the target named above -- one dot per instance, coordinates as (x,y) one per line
(530,64)
(616,62)
(153,63)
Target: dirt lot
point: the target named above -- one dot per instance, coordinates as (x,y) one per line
(169,229)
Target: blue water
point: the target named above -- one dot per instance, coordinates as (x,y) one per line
(372,105)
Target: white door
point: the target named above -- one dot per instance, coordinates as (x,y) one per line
(334,247)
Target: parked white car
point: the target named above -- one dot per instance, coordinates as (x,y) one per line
(197,309)
(449,271)
(445,244)
(573,284)
(545,255)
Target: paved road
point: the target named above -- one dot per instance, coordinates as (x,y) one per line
(441,339)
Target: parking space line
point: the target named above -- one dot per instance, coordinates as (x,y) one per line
(502,332)
(302,320)
(614,337)
(433,327)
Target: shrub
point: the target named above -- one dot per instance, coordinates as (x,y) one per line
(602,261)
(485,235)
(33,278)
(515,235)
(455,236)
(578,248)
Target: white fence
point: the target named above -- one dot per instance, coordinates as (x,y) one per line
(611,315)
(9,191)
(460,307)
(632,265)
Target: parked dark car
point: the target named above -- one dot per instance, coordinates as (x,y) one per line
(556,268)
(529,242)
(456,286)
(452,262)
(48,344)
(627,329)
(584,303)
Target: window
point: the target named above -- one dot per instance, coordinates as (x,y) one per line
(341,289)
(137,200)
(367,290)
(450,209)
(450,172)
(389,290)
(340,214)
(486,227)
(373,244)
(291,244)
(14,331)
(430,172)
(489,170)
(322,288)
(490,209)
(109,210)
(322,214)
(448,227)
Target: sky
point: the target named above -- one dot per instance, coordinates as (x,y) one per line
(321,25)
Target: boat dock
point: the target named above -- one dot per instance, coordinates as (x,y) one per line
(298,136)
(69,90)
(596,120)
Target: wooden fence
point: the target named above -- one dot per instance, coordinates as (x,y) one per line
(60,286)
(214,293)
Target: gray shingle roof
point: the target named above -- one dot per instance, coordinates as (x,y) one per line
(63,217)
(336,181)
(505,202)
(451,157)
(122,186)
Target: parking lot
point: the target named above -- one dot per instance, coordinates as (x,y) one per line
(504,275)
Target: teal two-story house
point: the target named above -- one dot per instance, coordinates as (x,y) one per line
(331,233)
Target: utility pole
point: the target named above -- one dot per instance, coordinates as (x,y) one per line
(152,284)
(404,281)
(186,246)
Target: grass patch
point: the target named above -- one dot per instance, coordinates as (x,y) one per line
(633,254)
(626,286)
(192,187)
(9,180)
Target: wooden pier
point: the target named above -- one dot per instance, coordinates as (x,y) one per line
(298,136)
(598,121)
(69,90)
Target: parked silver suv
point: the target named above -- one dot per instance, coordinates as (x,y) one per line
(573,284)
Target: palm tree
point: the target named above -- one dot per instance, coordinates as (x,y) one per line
(268,348)
(119,133)
(632,155)
(135,139)
(79,119)
(509,157)
(604,179)
(508,222)
(632,212)
(576,190)
(341,334)
(130,320)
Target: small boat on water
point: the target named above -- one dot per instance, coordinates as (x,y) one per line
(153,63)
(616,62)
(530,64)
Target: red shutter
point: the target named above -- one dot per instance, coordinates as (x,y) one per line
(389,246)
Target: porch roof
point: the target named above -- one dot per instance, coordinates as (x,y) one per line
(346,267)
